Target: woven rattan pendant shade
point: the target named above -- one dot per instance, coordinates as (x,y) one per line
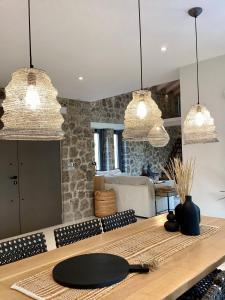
(158,136)
(40,120)
(142,113)
(136,128)
(199,126)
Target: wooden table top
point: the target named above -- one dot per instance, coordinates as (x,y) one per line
(170,280)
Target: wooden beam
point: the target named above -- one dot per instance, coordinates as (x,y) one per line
(172,86)
(161,86)
(2,94)
(176,92)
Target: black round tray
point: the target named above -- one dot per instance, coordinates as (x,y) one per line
(90,271)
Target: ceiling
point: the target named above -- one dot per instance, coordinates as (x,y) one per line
(98,40)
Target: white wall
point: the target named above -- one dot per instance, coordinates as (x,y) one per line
(209,177)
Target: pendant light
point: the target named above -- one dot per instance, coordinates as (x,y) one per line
(199,125)
(140,116)
(142,112)
(158,136)
(31,109)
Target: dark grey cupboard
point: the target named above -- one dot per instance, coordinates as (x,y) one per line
(30,186)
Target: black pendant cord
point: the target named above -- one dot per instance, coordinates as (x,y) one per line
(196,50)
(30,50)
(140,42)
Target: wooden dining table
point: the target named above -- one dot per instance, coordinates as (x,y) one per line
(175,276)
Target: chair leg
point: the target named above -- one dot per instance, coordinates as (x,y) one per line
(168,202)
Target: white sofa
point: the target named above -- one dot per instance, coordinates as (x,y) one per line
(134,192)
(138,193)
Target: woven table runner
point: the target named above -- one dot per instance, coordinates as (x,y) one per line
(152,246)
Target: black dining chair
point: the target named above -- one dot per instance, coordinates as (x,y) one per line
(214,293)
(73,233)
(118,220)
(211,287)
(20,248)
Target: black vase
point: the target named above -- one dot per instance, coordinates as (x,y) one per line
(171,225)
(178,212)
(171,217)
(190,217)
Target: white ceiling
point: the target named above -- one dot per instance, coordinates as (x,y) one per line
(98,39)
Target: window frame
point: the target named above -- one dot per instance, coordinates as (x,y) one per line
(120,149)
(100,133)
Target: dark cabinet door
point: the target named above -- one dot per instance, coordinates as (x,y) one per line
(9,193)
(39,184)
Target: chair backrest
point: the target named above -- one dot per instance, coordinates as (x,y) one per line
(20,248)
(204,289)
(119,219)
(76,232)
(213,293)
(220,282)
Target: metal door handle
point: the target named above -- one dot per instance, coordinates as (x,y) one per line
(14,179)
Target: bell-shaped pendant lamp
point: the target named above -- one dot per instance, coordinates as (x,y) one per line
(140,116)
(158,136)
(142,113)
(31,109)
(199,125)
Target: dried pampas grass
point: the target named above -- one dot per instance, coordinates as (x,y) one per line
(182,174)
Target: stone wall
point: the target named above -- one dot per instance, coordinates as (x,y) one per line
(142,153)
(77,156)
(78,151)
(110,110)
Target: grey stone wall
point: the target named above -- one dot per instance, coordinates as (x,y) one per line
(77,156)
(110,110)
(142,153)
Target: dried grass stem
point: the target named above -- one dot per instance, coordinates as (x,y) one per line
(182,174)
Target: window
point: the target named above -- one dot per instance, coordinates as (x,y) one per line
(116,150)
(103,150)
(97,151)
(99,138)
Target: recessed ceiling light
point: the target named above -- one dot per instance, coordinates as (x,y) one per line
(163,49)
(80,78)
